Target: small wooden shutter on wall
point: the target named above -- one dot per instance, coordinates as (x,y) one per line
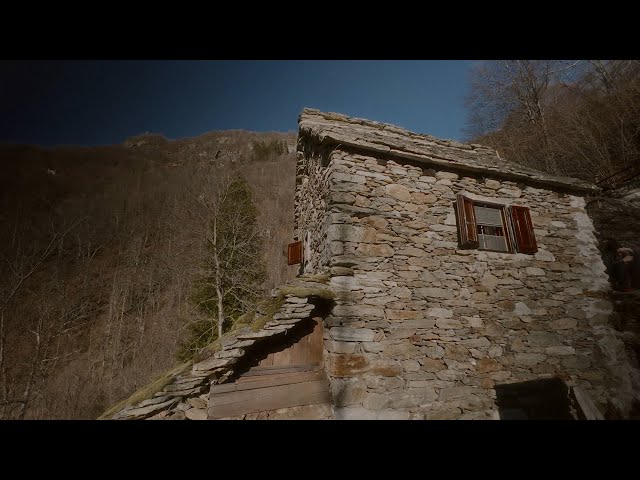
(523,229)
(466,222)
(295,253)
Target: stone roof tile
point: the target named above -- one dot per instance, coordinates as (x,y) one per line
(391,140)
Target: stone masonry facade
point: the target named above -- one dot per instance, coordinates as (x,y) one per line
(422,329)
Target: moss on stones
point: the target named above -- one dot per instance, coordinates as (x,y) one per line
(148,390)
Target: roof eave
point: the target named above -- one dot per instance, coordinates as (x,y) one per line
(582,188)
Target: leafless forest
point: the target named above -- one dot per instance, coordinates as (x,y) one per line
(99,249)
(575,118)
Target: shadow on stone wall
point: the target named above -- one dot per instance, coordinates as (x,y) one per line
(282,341)
(616,218)
(623,265)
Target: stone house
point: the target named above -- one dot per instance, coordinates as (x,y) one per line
(457,272)
(438,281)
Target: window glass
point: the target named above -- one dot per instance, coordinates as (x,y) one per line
(491,230)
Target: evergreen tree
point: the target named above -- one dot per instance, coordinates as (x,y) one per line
(235,270)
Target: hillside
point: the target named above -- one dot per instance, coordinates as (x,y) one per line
(99,248)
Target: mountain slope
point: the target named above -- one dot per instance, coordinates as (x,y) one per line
(100,246)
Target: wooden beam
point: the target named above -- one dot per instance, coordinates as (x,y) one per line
(225,387)
(271,398)
(268,381)
(268,370)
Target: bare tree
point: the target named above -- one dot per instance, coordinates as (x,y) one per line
(516,93)
(233,268)
(576,118)
(21,268)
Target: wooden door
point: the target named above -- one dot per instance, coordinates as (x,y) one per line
(307,351)
(290,376)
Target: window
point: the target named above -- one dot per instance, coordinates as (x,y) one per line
(493,227)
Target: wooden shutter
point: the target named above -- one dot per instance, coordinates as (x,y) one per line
(466,222)
(523,230)
(295,253)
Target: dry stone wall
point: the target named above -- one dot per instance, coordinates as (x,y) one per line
(422,329)
(312,193)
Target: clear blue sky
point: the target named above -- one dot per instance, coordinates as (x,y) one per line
(104,102)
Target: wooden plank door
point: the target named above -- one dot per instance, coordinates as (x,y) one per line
(308,350)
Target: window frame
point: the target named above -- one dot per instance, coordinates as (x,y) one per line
(507,213)
(505,224)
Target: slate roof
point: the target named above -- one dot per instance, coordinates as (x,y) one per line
(392,141)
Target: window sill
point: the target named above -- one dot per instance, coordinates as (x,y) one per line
(489,254)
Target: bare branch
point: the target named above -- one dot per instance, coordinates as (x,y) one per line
(47,251)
